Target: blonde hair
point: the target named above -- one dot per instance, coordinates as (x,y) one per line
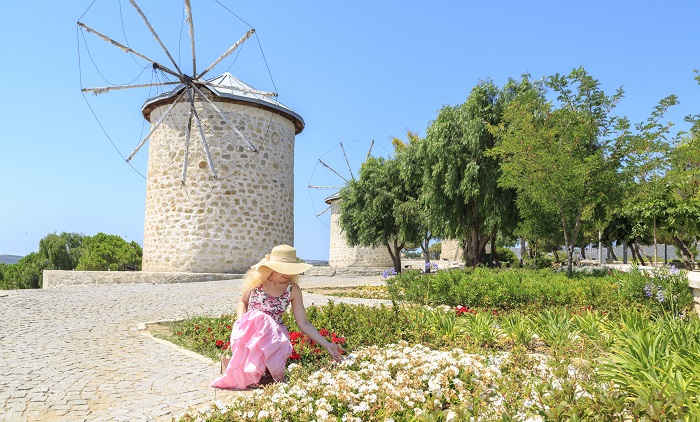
(254,277)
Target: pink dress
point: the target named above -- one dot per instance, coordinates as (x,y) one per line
(259,340)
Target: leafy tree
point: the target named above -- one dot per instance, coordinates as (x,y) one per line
(435,250)
(539,225)
(61,250)
(27,273)
(569,155)
(104,252)
(681,201)
(3,269)
(460,180)
(416,213)
(370,209)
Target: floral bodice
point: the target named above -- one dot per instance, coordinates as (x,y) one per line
(271,305)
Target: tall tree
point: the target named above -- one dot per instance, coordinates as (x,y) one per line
(370,209)
(61,250)
(682,198)
(562,154)
(106,252)
(416,213)
(460,181)
(569,154)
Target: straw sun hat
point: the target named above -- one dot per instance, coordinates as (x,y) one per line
(283,259)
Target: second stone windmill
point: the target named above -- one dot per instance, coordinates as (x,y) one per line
(220,182)
(340,253)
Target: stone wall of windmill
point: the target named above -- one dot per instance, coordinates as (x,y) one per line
(343,255)
(225,225)
(451,250)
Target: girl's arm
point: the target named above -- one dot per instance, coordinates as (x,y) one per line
(308,328)
(243,304)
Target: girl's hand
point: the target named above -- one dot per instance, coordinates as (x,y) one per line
(335,351)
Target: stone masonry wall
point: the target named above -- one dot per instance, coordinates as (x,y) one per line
(61,278)
(224,225)
(343,255)
(450,250)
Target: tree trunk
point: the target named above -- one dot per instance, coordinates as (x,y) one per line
(426,253)
(688,258)
(475,247)
(636,250)
(522,250)
(640,251)
(395,253)
(583,252)
(611,252)
(656,251)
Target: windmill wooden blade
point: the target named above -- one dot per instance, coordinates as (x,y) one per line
(324,211)
(229,51)
(155,126)
(188,9)
(370,150)
(201,94)
(347,162)
(331,169)
(187,149)
(105,89)
(130,50)
(205,146)
(155,35)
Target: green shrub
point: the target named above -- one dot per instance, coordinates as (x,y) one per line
(501,289)
(540,263)
(661,290)
(27,273)
(506,255)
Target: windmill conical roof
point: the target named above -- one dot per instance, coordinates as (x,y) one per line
(332,198)
(229,88)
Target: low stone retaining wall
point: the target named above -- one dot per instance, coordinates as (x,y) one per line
(59,278)
(694,282)
(328,271)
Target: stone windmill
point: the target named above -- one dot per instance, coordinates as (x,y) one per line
(220,181)
(340,253)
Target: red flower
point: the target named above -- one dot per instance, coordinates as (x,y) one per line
(295,336)
(228,327)
(295,356)
(179,333)
(196,327)
(219,343)
(323,332)
(337,340)
(227,345)
(209,330)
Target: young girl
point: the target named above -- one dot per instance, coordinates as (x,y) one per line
(259,341)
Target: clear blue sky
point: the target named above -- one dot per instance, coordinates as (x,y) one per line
(355,71)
